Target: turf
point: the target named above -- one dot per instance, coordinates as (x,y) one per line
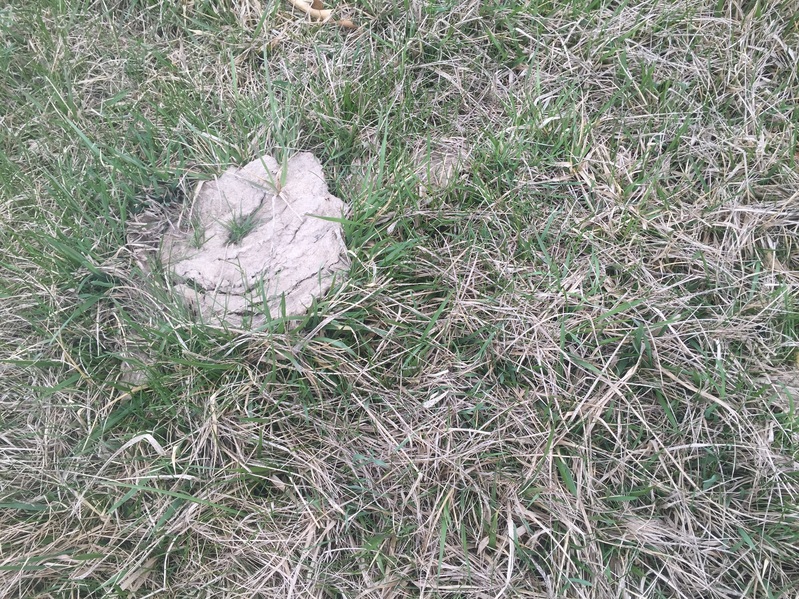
(565,362)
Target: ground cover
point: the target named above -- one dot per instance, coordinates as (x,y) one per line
(564,363)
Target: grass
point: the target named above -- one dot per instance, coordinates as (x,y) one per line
(240,226)
(569,371)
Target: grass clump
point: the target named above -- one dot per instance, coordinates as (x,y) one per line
(240,226)
(564,369)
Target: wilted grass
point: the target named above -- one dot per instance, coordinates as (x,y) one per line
(567,370)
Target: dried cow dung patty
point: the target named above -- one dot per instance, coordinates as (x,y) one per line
(257,235)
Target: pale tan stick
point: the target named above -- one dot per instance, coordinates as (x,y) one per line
(316,11)
(322,15)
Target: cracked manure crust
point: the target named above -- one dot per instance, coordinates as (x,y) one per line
(282,249)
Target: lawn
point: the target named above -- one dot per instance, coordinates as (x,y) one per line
(565,362)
